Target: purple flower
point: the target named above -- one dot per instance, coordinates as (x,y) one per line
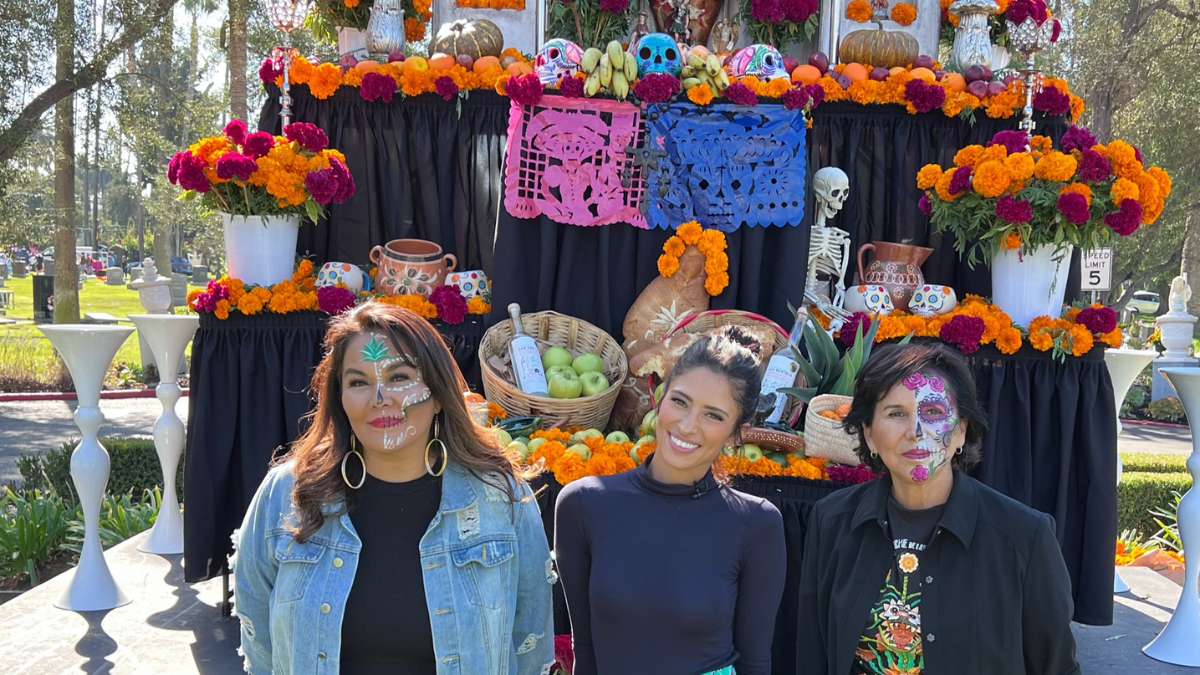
(1074,207)
(1098,319)
(740,94)
(191,173)
(1056,31)
(766,11)
(308,136)
(344,179)
(614,6)
(451,305)
(858,321)
(524,89)
(1126,219)
(235,165)
(1137,153)
(377,87)
(853,475)
(795,98)
(960,181)
(924,96)
(269,70)
(446,87)
(236,131)
(964,332)
(1013,141)
(798,11)
(1052,100)
(817,93)
(919,473)
(925,205)
(936,384)
(1077,138)
(173,168)
(915,381)
(656,87)
(323,185)
(1013,210)
(334,299)
(258,144)
(1094,167)
(1019,10)
(571,87)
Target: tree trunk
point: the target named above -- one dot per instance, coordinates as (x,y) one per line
(1191,257)
(66,273)
(239,14)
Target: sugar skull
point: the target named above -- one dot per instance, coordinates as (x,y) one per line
(472,283)
(658,53)
(334,273)
(932,300)
(557,59)
(869,299)
(761,61)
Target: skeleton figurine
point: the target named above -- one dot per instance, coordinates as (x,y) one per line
(829,247)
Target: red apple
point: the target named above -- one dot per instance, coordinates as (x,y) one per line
(507,61)
(879,74)
(987,73)
(347,62)
(819,61)
(995,88)
(974,74)
(978,89)
(790,63)
(923,61)
(395,55)
(1010,78)
(465,60)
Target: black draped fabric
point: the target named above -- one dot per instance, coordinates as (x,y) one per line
(423,169)
(596,273)
(250,378)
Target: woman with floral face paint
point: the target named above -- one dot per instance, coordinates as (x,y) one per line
(396,536)
(666,570)
(926,570)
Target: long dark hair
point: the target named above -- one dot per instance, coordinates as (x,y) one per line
(318,453)
(733,353)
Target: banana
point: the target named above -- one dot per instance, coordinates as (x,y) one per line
(591,59)
(695,61)
(616,55)
(723,79)
(592,84)
(690,82)
(713,65)
(606,71)
(620,85)
(688,71)
(631,67)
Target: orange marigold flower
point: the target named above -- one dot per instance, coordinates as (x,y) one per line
(994,153)
(236,289)
(1163,178)
(859,11)
(928,176)
(1073,312)
(968,156)
(191,298)
(1056,166)
(1041,341)
(776,88)
(414,30)
(991,179)
(249,304)
(674,246)
(303,270)
(700,94)
(302,71)
(1020,166)
(222,310)
(1113,338)
(712,241)
(477,305)
(1123,189)
(689,232)
(353,77)
(325,80)
(1081,340)
(667,265)
(1079,188)
(716,283)
(1147,188)
(1009,340)
(943,187)
(904,14)
(1012,241)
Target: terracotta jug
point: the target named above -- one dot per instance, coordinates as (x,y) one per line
(411,266)
(896,267)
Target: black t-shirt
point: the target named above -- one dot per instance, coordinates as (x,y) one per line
(386,626)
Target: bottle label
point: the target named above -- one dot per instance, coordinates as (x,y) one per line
(527,365)
(781,372)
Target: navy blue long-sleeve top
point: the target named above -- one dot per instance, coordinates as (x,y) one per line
(668,579)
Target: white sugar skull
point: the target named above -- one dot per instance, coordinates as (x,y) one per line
(658,53)
(831,186)
(869,299)
(472,283)
(334,273)
(557,59)
(932,300)
(762,61)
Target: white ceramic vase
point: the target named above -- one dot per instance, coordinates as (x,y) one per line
(1124,365)
(1028,285)
(87,351)
(1179,641)
(260,250)
(168,336)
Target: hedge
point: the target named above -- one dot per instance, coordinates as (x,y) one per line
(135,468)
(1154,462)
(1139,492)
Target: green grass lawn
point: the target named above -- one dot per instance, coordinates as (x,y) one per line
(27,359)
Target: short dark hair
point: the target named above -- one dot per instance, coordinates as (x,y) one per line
(888,366)
(733,353)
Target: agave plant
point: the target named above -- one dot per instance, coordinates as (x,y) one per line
(826,371)
(1167,518)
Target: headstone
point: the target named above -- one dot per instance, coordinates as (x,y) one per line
(3,270)
(179,289)
(115,277)
(135,273)
(21,269)
(200,275)
(48,266)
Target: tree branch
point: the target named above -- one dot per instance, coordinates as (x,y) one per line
(13,137)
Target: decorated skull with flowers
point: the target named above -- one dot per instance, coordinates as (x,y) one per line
(257,174)
(1019,192)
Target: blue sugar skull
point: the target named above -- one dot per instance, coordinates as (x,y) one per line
(658,53)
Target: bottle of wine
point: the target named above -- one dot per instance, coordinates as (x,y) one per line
(782,370)
(526,360)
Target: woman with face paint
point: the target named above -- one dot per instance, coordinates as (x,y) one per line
(396,536)
(667,571)
(927,570)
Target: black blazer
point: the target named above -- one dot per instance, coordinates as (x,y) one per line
(996,598)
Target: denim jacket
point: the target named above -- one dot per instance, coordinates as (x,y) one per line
(487,574)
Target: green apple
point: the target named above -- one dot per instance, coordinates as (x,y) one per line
(504,436)
(658,392)
(751,452)
(617,437)
(520,448)
(635,453)
(521,439)
(582,450)
(580,436)
(593,383)
(556,356)
(649,422)
(554,370)
(779,458)
(565,385)
(535,444)
(588,363)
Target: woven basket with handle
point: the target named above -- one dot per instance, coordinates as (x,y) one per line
(576,336)
(824,437)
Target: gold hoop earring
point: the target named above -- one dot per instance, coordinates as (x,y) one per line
(354,451)
(445,455)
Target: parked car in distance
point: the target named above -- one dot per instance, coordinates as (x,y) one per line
(1145,302)
(181,265)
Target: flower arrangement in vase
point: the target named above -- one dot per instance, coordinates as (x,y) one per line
(329,15)
(780,23)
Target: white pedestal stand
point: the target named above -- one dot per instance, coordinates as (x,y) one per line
(168,336)
(87,351)
(1179,641)
(1124,365)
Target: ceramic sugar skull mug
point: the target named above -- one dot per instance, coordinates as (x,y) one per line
(869,299)
(334,273)
(932,300)
(471,283)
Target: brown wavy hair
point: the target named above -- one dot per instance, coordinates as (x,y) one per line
(319,451)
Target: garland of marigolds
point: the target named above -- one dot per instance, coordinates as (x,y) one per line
(710,242)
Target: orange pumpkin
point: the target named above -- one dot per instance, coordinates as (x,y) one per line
(880,47)
(485,63)
(441,61)
(477,37)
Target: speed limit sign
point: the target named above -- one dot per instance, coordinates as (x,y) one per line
(1097,270)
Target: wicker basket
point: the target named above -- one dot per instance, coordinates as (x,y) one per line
(576,336)
(824,437)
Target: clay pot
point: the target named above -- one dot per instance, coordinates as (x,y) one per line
(411,266)
(896,267)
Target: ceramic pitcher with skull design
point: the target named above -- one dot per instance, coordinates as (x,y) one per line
(896,267)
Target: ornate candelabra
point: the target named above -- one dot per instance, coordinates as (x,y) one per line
(287,16)
(1029,38)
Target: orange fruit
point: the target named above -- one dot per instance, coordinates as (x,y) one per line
(441,61)
(955,81)
(472,397)
(925,74)
(366,66)
(519,68)
(842,410)
(485,62)
(857,72)
(806,74)
(897,69)
(416,64)
(699,50)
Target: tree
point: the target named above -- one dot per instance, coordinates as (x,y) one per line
(66,274)
(239,17)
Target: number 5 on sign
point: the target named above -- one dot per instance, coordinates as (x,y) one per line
(1097,270)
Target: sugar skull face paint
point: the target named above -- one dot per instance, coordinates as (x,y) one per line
(916,429)
(936,420)
(383,393)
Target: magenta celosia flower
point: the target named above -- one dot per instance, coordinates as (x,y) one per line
(614,6)
(235,165)
(571,87)
(236,131)
(451,305)
(924,96)
(925,205)
(798,10)
(1014,141)
(1126,219)
(741,94)
(334,300)
(258,144)
(173,169)
(1077,138)
(656,87)
(960,180)
(815,92)
(322,185)
(446,87)
(963,332)
(1094,167)
(1019,10)
(1052,100)
(852,475)
(1013,210)
(858,321)
(564,653)
(795,98)
(525,89)
(345,181)
(1074,207)
(308,136)
(377,87)
(191,173)
(767,11)
(270,70)
(1098,319)
(1056,31)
